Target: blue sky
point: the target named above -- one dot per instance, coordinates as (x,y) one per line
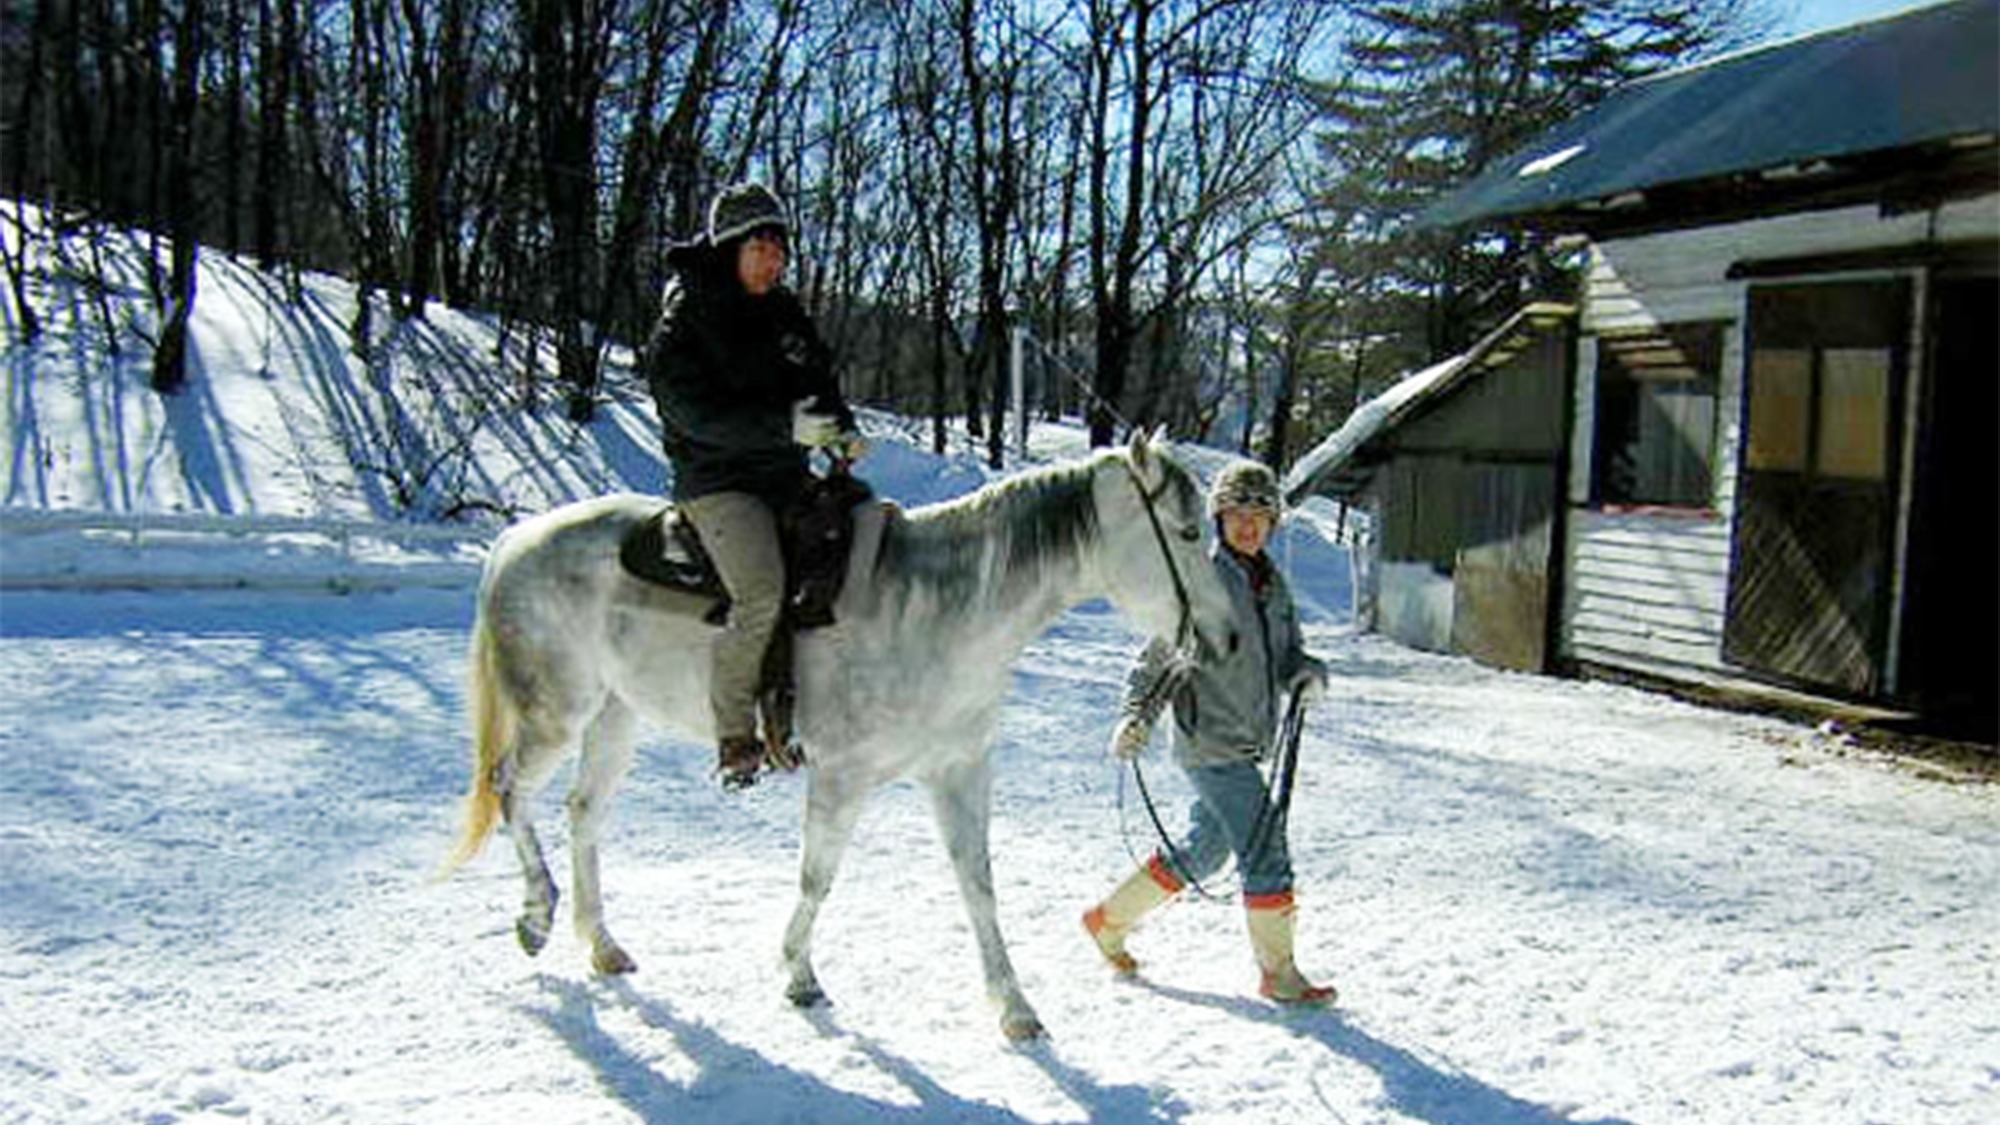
(1816,15)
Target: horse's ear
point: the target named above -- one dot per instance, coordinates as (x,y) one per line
(1144,442)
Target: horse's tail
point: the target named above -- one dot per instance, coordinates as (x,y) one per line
(493,721)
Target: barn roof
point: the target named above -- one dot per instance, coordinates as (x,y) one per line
(1341,464)
(1786,125)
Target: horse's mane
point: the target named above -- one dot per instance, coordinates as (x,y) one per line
(1003,540)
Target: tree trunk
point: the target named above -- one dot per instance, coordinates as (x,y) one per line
(563,54)
(421,126)
(183,207)
(277,53)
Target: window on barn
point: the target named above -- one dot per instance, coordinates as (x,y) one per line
(1822,367)
(1656,411)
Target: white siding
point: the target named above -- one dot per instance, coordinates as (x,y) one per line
(1646,591)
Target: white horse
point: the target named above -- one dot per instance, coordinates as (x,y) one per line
(568,649)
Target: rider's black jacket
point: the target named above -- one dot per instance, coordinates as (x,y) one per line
(725,369)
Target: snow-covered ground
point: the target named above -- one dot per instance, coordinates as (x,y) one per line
(1543,901)
(220,809)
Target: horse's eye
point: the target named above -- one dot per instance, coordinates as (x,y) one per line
(1191,533)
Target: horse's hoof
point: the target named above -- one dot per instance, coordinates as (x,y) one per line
(533,934)
(806,996)
(612,961)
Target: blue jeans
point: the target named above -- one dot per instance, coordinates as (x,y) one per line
(1229,802)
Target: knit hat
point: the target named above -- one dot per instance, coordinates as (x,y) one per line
(739,209)
(1245,484)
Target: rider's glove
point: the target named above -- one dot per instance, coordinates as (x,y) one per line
(813,429)
(849,446)
(1130,737)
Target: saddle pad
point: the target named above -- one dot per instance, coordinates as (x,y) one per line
(644,556)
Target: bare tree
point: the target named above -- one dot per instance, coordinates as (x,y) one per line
(182,199)
(991,67)
(566,44)
(928,128)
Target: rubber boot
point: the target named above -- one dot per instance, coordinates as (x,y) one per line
(1110,921)
(1273,919)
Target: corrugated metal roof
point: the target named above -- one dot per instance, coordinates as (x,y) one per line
(1928,75)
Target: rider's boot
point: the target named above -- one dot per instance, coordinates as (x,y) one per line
(1110,921)
(737,760)
(1273,919)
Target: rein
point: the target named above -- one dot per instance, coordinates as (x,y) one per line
(1167,682)
(1270,819)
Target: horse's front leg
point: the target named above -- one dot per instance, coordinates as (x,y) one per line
(832,807)
(962,799)
(607,756)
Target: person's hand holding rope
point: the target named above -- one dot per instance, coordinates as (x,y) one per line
(1129,738)
(1309,683)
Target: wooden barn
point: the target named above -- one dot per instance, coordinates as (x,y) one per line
(1773,423)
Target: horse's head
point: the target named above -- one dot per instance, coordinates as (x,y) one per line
(1154,524)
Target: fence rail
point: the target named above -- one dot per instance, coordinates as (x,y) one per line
(86,549)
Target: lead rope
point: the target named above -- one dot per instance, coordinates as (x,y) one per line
(1271,818)
(1169,680)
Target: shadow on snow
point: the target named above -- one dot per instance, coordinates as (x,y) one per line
(1413,1086)
(737,1083)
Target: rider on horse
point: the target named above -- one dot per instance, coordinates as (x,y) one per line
(744,385)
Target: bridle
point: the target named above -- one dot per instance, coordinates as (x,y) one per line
(1184,632)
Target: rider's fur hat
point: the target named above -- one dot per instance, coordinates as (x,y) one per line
(1245,484)
(744,209)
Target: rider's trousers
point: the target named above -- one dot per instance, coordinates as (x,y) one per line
(741,536)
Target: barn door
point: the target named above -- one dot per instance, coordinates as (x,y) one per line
(1500,578)
(1815,509)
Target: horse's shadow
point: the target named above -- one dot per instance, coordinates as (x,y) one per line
(1102,1103)
(1414,1087)
(737,1083)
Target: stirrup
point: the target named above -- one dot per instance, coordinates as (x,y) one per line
(784,757)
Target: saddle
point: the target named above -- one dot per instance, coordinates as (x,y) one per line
(816,537)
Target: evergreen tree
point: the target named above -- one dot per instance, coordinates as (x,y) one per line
(1438,90)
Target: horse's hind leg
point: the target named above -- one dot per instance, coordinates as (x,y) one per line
(531,764)
(832,807)
(962,802)
(607,756)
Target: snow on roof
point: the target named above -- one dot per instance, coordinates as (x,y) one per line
(1373,417)
(1319,469)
